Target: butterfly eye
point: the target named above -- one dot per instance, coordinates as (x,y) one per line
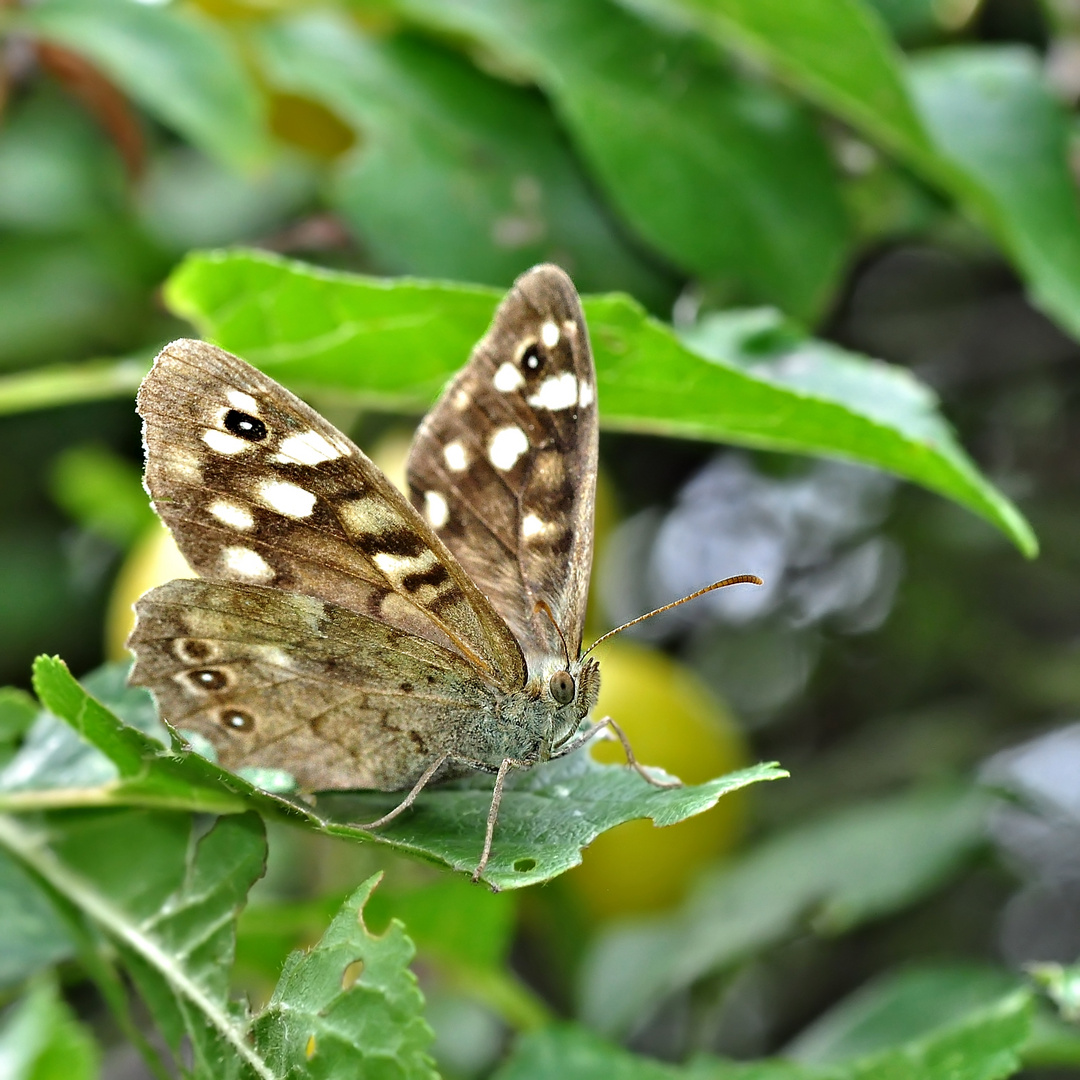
(561,686)
(245,426)
(532,358)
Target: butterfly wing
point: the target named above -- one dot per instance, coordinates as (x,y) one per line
(287,681)
(504,465)
(259,489)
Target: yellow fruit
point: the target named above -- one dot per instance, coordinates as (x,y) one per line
(674,721)
(153,560)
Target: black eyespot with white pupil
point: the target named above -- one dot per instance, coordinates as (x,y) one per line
(209,679)
(237,720)
(245,426)
(561,685)
(532,358)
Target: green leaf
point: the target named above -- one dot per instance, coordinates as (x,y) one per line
(723,176)
(103,492)
(347,1006)
(176,63)
(1062,985)
(350,1001)
(463,935)
(40,1039)
(32,935)
(17,712)
(898,1008)
(834,51)
(68,384)
(754,382)
(548,813)
(57,175)
(982,1045)
(456,174)
(63,296)
(147,775)
(53,756)
(997,124)
(850,867)
(979,123)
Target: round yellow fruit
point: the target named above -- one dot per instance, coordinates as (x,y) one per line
(153,560)
(674,721)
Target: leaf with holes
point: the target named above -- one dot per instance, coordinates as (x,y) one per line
(348,1005)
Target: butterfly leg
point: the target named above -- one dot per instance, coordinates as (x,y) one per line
(493,814)
(425,779)
(606,725)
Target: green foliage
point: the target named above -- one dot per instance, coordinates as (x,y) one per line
(984,1045)
(180,67)
(102,492)
(41,1040)
(170,917)
(857,864)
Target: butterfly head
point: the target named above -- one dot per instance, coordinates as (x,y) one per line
(570,692)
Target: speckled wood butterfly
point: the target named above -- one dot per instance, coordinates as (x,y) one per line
(353,637)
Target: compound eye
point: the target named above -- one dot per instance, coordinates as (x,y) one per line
(561,686)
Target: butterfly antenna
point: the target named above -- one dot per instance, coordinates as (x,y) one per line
(541,605)
(739,579)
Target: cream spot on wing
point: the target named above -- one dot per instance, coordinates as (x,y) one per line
(508,378)
(273,654)
(184,465)
(395,567)
(549,334)
(288,499)
(365,516)
(556,392)
(244,402)
(570,327)
(436,509)
(223,443)
(232,514)
(506,446)
(456,458)
(246,563)
(307,448)
(531,526)
(586,394)
(461,400)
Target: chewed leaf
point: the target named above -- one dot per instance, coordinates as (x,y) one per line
(548,814)
(547,817)
(348,1006)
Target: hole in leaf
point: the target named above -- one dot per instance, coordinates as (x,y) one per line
(351,973)
(523,866)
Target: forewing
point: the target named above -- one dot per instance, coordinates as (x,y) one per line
(504,465)
(285,681)
(259,489)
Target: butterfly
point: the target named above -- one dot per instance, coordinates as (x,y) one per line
(357,638)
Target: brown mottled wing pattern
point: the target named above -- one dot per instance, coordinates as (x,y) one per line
(504,465)
(258,489)
(281,680)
